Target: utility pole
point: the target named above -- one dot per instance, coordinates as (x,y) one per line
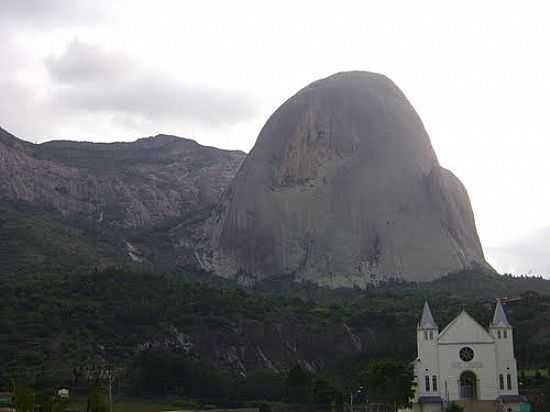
(110,383)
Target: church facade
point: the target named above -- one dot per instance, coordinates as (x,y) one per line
(467,364)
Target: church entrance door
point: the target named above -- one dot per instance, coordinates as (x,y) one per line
(468,385)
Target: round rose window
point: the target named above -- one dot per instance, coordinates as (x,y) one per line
(466,354)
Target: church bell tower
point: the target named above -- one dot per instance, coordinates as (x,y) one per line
(501,331)
(427,334)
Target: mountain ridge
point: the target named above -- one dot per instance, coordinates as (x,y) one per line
(100,203)
(342,188)
(80,177)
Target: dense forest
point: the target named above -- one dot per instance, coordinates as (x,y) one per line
(153,329)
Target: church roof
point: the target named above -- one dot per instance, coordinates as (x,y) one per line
(464,329)
(499,318)
(427,320)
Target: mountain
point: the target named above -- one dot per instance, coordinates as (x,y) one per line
(76,205)
(344,188)
(125,184)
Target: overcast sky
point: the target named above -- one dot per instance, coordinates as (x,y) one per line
(478,73)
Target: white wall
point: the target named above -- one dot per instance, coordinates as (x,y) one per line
(483,366)
(429,363)
(506,362)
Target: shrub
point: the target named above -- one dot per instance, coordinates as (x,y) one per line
(453,407)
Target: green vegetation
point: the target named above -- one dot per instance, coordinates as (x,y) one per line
(146,405)
(160,374)
(453,407)
(24,398)
(52,403)
(299,385)
(388,381)
(54,328)
(533,373)
(97,400)
(43,241)
(114,158)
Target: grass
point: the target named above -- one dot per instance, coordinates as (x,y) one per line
(532,372)
(140,405)
(128,405)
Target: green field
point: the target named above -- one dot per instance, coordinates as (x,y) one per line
(139,405)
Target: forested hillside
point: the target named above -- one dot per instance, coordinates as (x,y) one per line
(63,322)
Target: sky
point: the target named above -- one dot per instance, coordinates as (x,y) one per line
(478,73)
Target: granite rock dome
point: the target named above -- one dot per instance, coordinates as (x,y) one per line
(344,188)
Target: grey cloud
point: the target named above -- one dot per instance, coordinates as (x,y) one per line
(20,101)
(81,63)
(529,255)
(95,80)
(50,12)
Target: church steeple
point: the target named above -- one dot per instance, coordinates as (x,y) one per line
(427,320)
(499,318)
(502,333)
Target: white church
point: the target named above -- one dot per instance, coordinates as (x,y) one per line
(466,364)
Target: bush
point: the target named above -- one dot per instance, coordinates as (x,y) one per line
(453,407)
(299,385)
(263,385)
(160,373)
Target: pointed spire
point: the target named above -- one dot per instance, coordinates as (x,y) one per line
(499,318)
(427,320)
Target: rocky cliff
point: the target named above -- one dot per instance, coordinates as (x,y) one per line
(343,188)
(72,206)
(123,184)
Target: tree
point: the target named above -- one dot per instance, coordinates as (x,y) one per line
(298,385)
(52,403)
(388,381)
(262,385)
(162,373)
(24,398)
(546,397)
(264,407)
(326,395)
(97,400)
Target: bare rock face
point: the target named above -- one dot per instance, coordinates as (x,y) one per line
(343,188)
(122,184)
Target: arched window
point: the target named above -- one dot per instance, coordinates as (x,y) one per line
(425,335)
(509,382)
(427,383)
(498,334)
(501,381)
(434,383)
(431,335)
(505,333)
